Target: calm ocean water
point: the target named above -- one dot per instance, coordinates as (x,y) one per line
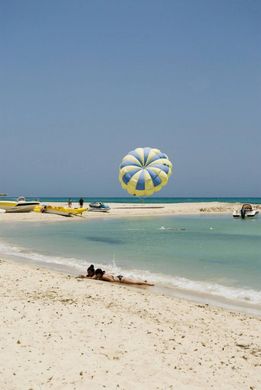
(143,200)
(217,255)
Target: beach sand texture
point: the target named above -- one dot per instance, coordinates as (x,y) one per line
(59,332)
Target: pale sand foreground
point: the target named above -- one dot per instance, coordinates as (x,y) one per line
(58,332)
(132,210)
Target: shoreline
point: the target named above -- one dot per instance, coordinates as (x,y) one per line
(62,332)
(194,296)
(140,210)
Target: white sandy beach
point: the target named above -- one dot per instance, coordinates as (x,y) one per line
(59,332)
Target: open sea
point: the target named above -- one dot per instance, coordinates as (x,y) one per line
(134,199)
(212,256)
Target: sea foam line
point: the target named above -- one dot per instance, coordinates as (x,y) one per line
(79,265)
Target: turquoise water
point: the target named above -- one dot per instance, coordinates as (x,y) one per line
(152,199)
(214,254)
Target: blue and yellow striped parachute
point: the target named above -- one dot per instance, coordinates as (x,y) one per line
(144,171)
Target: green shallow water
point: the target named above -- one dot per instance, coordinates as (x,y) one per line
(213,252)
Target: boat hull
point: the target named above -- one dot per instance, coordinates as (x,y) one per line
(248,214)
(59,210)
(21,209)
(99,207)
(99,210)
(4,205)
(18,207)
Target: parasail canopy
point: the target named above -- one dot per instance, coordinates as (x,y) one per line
(144,171)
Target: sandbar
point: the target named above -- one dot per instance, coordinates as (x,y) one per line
(119,210)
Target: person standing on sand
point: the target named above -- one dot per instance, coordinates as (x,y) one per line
(81,201)
(69,203)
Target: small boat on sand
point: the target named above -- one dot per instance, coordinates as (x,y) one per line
(99,206)
(246,211)
(60,210)
(20,206)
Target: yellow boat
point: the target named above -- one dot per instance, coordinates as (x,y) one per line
(21,206)
(5,204)
(60,210)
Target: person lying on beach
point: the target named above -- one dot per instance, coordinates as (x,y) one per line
(90,271)
(99,274)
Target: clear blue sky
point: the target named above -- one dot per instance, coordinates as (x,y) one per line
(84,82)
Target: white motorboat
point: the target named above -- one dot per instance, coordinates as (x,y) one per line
(20,206)
(246,211)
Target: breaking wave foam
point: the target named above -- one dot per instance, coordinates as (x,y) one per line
(244,295)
